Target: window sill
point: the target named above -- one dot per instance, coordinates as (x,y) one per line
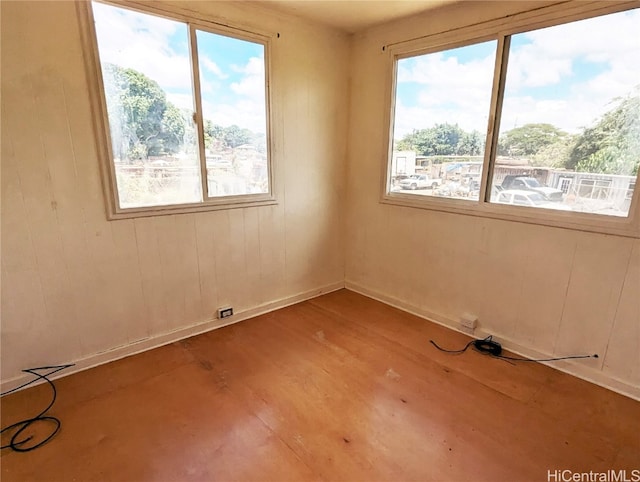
(625,227)
(217,205)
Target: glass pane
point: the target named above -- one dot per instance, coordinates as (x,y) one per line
(232,81)
(146,70)
(570,127)
(441,116)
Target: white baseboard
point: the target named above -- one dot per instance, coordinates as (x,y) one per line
(567,366)
(161,339)
(84,363)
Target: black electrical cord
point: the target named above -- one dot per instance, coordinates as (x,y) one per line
(493,348)
(452,351)
(20,427)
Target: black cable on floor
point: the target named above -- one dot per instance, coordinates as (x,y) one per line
(489,347)
(20,427)
(452,351)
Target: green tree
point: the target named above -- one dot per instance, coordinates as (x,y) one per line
(212,132)
(446,138)
(407,143)
(470,144)
(425,142)
(235,136)
(173,128)
(528,139)
(142,121)
(556,154)
(612,144)
(439,140)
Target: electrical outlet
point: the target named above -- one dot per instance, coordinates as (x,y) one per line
(225,312)
(469,321)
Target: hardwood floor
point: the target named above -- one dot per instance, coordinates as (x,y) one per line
(337,388)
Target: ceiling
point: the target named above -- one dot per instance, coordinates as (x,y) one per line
(353,15)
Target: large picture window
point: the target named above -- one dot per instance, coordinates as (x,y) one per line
(565,140)
(186,112)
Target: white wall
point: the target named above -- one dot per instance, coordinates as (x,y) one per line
(74,284)
(543,290)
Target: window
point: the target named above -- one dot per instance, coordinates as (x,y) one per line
(545,117)
(594,188)
(185,109)
(565,184)
(451,92)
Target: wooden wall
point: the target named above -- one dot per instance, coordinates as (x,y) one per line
(75,285)
(544,290)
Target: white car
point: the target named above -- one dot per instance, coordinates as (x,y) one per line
(419,181)
(532,199)
(525,183)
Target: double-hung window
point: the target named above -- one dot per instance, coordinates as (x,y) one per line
(182,108)
(534,119)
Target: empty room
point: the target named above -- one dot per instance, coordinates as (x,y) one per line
(350,240)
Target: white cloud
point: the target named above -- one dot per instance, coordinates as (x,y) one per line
(244,113)
(452,92)
(528,67)
(611,41)
(599,39)
(566,75)
(435,70)
(252,84)
(247,108)
(212,67)
(597,59)
(142,42)
(417,117)
(182,101)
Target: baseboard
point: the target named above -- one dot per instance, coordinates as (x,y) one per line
(566,366)
(161,339)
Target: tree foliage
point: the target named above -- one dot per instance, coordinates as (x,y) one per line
(235,136)
(612,144)
(144,123)
(212,132)
(442,140)
(232,136)
(149,124)
(554,155)
(529,139)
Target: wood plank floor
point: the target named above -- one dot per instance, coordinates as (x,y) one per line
(337,388)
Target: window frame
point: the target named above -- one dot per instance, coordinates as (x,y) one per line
(101,120)
(499,30)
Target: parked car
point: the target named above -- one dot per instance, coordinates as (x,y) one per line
(520,197)
(419,181)
(531,184)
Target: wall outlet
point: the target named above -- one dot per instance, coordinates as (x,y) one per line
(225,312)
(469,321)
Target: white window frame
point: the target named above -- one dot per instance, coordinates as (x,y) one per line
(499,30)
(101,120)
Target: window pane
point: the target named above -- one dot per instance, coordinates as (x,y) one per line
(441,115)
(232,81)
(146,70)
(570,126)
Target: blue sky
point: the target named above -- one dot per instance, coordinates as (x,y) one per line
(231,70)
(565,75)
